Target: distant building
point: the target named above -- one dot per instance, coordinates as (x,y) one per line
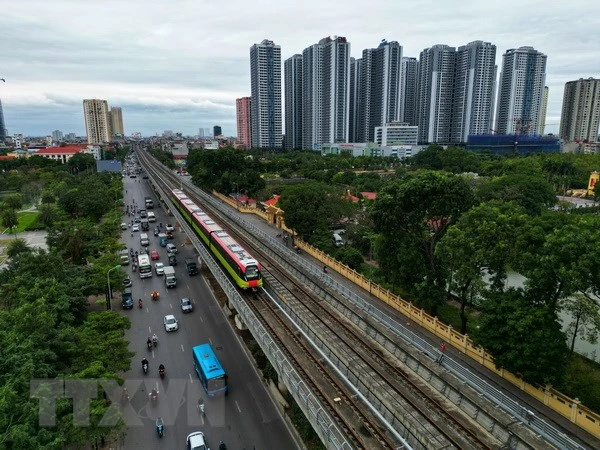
(97,124)
(49,141)
(244,123)
(116,121)
(61,154)
(70,136)
(265,80)
(17,141)
(293,102)
(521,91)
(3,132)
(408,90)
(200,133)
(396,133)
(354,104)
(503,144)
(581,111)
(544,110)
(371,149)
(57,135)
(217,131)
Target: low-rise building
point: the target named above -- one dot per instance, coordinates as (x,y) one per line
(396,133)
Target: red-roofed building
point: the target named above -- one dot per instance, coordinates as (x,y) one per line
(63,154)
(7,157)
(272,201)
(369,195)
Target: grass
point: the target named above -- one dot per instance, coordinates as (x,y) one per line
(26,219)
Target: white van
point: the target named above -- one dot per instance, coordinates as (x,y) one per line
(144,240)
(151,217)
(337,240)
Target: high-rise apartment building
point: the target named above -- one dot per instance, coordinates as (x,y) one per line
(521,91)
(580,115)
(217,131)
(436,89)
(201,133)
(293,102)
(354,98)
(544,110)
(325,92)
(244,123)
(474,88)
(3,133)
(409,73)
(116,121)
(57,135)
(379,88)
(265,77)
(97,124)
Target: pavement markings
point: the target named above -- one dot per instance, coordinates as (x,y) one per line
(238,407)
(191,379)
(182,349)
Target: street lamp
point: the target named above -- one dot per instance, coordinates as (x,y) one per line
(108,304)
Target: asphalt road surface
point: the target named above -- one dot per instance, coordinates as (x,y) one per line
(244,419)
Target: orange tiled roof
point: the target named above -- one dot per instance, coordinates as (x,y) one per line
(68,150)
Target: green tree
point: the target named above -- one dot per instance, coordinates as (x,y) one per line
(14,201)
(524,336)
(48,214)
(16,247)
(585,318)
(312,206)
(532,192)
(9,218)
(350,256)
(412,216)
(480,244)
(80,162)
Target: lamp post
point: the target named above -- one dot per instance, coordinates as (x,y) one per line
(108,304)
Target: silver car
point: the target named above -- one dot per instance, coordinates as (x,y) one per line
(171,323)
(186,305)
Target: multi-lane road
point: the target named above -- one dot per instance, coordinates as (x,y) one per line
(247,418)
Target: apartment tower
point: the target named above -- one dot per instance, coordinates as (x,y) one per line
(116,121)
(580,111)
(474,88)
(3,132)
(436,88)
(265,79)
(325,92)
(544,110)
(354,98)
(409,73)
(293,102)
(521,91)
(244,123)
(379,88)
(97,123)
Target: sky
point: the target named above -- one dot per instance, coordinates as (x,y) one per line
(180,64)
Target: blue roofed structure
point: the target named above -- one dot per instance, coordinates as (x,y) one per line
(111,165)
(523,144)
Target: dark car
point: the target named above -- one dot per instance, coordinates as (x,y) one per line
(172,260)
(127,299)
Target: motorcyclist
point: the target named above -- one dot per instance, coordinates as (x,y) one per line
(144,362)
(154,339)
(161,370)
(140,303)
(222,446)
(154,394)
(149,342)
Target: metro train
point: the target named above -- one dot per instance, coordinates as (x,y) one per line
(239,264)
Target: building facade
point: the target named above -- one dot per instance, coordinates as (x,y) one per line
(474,90)
(293,102)
(409,73)
(217,131)
(397,133)
(244,124)
(580,115)
(97,125)
(544,110)
(3,132)
(265,78)
(354,98)
(436,89)
(116,121)
(325,92)
(520,93)
(379,88)
(57,135)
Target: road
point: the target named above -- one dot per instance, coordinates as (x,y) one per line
(246,418)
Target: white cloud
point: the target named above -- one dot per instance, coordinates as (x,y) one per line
(189,59)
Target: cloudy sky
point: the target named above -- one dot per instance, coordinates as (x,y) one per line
(180,64)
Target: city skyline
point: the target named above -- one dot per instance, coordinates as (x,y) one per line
(165,78)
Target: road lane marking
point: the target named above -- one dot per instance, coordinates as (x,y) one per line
(191,379)
(238,407)
(201,319)
(182,349)
(210,340)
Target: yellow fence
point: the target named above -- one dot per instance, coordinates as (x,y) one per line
(567,407)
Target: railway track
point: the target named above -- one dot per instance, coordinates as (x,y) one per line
(424,416)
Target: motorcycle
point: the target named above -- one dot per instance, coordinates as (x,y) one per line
(201,409)
(154,396)
(154,340)
(161,372)
(159,427)
(145,368)
(140,303)
(222,446)
(133,267)
(155,296)
(149,344)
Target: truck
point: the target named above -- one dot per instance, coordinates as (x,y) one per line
(191,267)
(149,202)
(170,279)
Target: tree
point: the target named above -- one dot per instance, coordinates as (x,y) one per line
(9,218)
(80,162)
(14,201)
(412,216)
(480,244)
(350,256)
(312,206)
(530,191)
(48,214)
(17,247)
(585,314)
(524,336)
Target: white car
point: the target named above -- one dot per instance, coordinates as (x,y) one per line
(160,268)
(123,226)
(135,227)
(171,323)
(169,227)
(196,441)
